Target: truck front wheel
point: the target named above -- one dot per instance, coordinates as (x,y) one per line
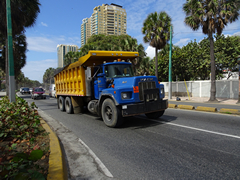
(155,115)
(111,114)
(61,103)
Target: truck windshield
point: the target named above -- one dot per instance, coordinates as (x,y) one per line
(118,70)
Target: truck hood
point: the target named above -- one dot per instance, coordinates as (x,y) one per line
(133,81)
(128,84)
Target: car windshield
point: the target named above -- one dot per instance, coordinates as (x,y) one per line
(118,70)
(26,89)
(38,90)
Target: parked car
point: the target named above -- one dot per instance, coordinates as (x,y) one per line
(52,90)
(24,90)
(38,93)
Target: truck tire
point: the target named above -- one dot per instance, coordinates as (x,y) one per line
(61,103)
(111,114)
(68,105)
(155,115)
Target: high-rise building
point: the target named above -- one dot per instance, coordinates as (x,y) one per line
(106,19)
(85,30)
(62,50)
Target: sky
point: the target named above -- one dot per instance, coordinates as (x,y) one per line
(59,22)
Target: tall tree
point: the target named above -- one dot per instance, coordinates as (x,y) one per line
(48,77)
(114,43)
(24,14)
(19,53)
(212,16)
(157,31)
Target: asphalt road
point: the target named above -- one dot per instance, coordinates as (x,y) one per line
(182,144)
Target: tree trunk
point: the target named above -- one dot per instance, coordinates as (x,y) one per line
(213,70)
(156,63)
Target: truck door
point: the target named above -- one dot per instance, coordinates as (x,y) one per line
(99,81)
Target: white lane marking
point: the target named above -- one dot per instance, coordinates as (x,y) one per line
(99,162)
(197,129)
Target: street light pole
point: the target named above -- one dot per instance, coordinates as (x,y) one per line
(10,53)
(238,61)
(170,68)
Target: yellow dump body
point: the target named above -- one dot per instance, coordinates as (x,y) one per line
(71,80)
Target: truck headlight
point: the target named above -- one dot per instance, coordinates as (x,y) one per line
(126,95)
(162,91)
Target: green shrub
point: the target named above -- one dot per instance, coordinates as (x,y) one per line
(18,119)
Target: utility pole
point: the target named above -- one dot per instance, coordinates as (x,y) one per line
(170,68)
(10,53)
(238,61)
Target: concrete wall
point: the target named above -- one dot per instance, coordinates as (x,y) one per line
(225,88)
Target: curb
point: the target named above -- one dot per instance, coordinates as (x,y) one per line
(229,111)
(56,169)
(189,107)
(206,109)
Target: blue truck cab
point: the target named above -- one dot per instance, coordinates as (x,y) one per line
(118,93)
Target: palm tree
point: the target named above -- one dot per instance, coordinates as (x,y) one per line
(48,77)
(24,14)
(69,57)
(212,16)
(157,31)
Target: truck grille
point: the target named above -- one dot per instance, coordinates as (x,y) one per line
(146,85)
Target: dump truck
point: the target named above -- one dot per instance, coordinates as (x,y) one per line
(103,83)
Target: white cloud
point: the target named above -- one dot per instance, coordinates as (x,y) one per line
(35,70)
(44,24)
(182,42)
(236,34)
(49,43)
(41,44)
(150,52)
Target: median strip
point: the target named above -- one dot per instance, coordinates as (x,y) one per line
(172,105)
(208,109)
(229,111)
(189,107)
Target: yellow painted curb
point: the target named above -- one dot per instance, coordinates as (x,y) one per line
(208,109)
(232,111)
(56,168)
(172,105)
(189,107)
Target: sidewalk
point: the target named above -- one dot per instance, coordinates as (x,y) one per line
(204,100)
(229,106)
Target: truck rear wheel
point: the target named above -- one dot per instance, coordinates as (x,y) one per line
(155,115)
(68,105)
(111,114)
(61,103)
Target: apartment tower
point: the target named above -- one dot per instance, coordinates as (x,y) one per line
(85,30)
(106,19)
(62,50)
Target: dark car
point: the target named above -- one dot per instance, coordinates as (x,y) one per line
(24,90)
(38,93)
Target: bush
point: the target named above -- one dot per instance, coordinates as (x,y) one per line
(24,144)
(18,119)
